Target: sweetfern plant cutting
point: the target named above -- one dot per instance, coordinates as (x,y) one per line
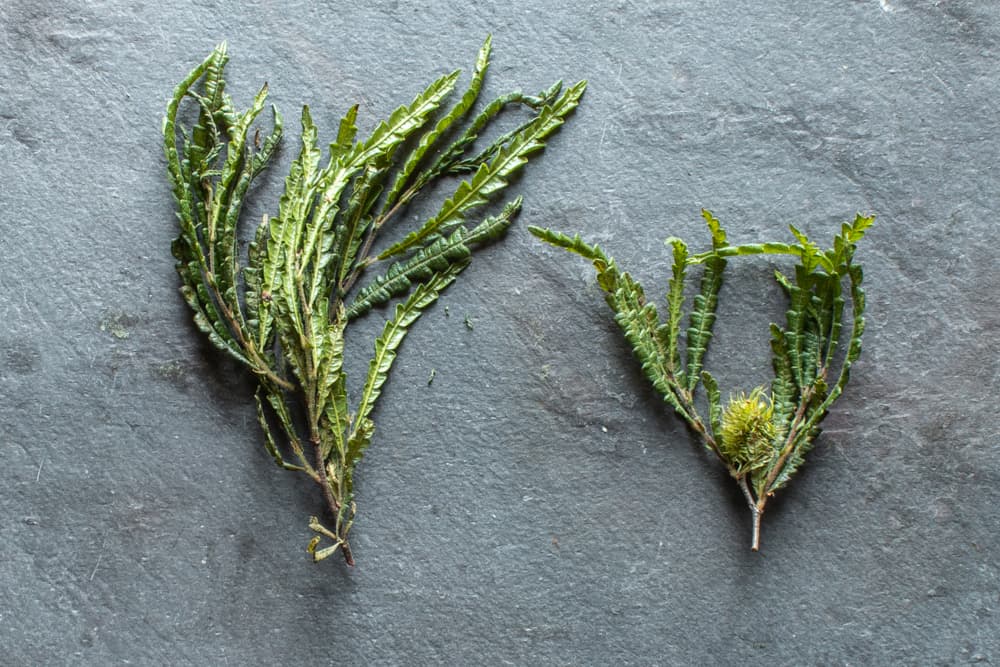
(761,437)
(284,309)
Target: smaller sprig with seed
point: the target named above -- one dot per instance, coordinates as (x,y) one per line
(761,437)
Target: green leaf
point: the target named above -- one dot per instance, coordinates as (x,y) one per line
(810,252)
(702,319)
(642,328)
(714,402)
(853,349)
(429,260)
(639,321)
(795,334)
(270,145)
(399,278)
(329,368)
(278,290)
(451,160)
(277,264)
(174,171)
(430,139)
(715,227)
(574,244)
(840,255)
(357,220)
(783,282)
(492,177)
(269,441)
(784,388)
(471,163)
(790,467)
(346,133)
(331,399)
(301,185)
(675,303)
(395,331)
(747,249)
(493,227)
(405,120)
(361,437)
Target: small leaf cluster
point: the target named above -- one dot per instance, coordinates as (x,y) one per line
(763,438)
(284,311)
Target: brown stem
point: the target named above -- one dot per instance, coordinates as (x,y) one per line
(331,501)
(793,433)
(756,506)
(355,274)
(345,548)
(362,256)
(260,367)
(755,541)
(400,203)
(271,375)
(695,422)
(756,509)
(325,483)
(745,488)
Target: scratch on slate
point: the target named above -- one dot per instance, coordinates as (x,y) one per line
(951,91)
(97,565)
(620,81)
(38,475)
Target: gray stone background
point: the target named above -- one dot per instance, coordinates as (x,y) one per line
(537,504)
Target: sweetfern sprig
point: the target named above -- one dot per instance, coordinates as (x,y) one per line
(284,312)
(762,438)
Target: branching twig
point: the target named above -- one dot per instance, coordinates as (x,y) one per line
(761,438)
(321,233)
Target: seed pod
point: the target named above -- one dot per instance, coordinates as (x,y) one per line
(748,431)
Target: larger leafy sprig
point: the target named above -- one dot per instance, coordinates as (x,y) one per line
(762,438)
(285,312)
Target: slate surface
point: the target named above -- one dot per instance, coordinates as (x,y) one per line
(544,508)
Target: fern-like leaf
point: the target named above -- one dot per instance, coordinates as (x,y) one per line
(395,331)
(430,139)
(270,442)
(437,256)
(574,244)
(714,402)
(492,177)
(642,328)
(702,319)
(638,319)
(675,302)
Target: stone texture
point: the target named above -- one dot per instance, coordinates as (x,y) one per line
(546,509)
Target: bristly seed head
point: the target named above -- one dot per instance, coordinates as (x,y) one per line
(748,431)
